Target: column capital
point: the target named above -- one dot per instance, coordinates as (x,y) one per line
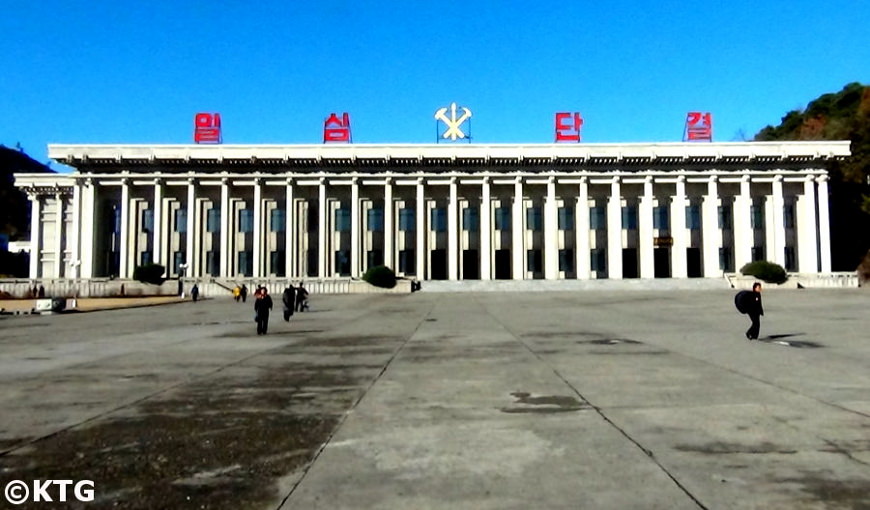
(354,181)
(822,178)
(745,178)
(158,181)
(419,181)
(453,180)
(518,179)
(713,179)
(584,180)
(615,179)
(777,178)
(681,178)
(191,181)
(388,181)
(648,179)
(551,179)
(322,181)
(258,181)
(289,181)
(125,181)
(225,181)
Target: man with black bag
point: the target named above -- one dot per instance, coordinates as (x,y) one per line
(749,303)
(289,301)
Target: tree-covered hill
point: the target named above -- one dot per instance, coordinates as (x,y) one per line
(844,115)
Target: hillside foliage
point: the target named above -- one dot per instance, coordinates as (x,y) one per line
(843,115)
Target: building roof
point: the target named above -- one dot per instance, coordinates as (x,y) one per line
(395,157)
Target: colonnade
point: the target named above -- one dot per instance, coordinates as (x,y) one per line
(474,243)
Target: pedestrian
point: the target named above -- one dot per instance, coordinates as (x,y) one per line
(237,293)
(194,292)
(289,301)
(755,312)
(301,298)
(262,307)
(244,293)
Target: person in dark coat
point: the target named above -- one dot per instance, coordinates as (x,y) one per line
(262,307)
(194,293)
(754,310)
(244,293)
(301,298)
(289,301)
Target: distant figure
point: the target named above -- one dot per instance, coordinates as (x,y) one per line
(40,292)
(244,293)
(289,301)
(237,293)
(755,311)
(262,307)
(194,293)
(301,298)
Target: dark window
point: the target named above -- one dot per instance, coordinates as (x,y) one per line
(439,219)
(213,220)
(788,216)
(534,263)
(181,221)
(598,259)
(407,219)
(278,262)
(566,261)
(725,217)
(470,220)
(693,217)
(178,259)
(534,221)
(661,218)
(790,259)
(406,262)
(246,263)
(597,218)
(629,217)
(503,218)
(342,220)
(756,213)
(246,220)
(566,218)
(342,262)
(277,221)
(147,220)
(375,220)
(213,263)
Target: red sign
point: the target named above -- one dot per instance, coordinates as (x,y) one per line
(207,128)
(568,126)
(335,129)
(699,126)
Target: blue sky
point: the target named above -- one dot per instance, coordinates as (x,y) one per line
(137,72)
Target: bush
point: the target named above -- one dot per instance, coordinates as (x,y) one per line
(149,273)
(765,271)
(380,276)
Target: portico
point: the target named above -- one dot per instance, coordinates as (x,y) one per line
(548,211)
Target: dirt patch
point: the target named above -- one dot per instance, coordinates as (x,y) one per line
(546,404)
(835,493)
(719,448)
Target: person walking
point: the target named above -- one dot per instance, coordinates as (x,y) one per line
(289,301)
(301,298)
(262,307)
(237,293)
(194,293)
(244,293)
(754,310)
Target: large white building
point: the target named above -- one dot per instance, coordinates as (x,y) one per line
(449,211)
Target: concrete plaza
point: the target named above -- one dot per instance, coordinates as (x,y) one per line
(588,399)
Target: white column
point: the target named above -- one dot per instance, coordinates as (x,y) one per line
(778,224)
(322,230)
(123,271)
(258,229)
(75,231)
(678,230)
(35,235)
(517,232)
(551,232)
(824,225)
(452,233)
(356,232)
(743,235)
(485,231)
(289,232)
(581,230)
(645,230)
(58,235)
(614,231)
(710,235)
(86,246)
(192,230)
(157,234)
(225,228)
(388,224)
(421,233)
(808,261)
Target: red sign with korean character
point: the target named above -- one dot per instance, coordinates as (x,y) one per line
(568,126)
(335,129)
(207,128)
(699,127)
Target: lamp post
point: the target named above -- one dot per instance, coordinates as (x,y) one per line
(182,270)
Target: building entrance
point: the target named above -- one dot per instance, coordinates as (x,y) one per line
(662,261)
(502,264)
(470,265)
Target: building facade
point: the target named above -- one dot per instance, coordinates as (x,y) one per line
(453,211)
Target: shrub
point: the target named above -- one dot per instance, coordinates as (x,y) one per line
(380,276)
(149,273)
(765,271)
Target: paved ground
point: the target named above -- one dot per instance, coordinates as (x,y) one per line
(605,399)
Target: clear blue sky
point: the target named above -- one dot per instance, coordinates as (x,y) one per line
(136,72)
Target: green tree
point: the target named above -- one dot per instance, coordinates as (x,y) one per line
(844,115)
